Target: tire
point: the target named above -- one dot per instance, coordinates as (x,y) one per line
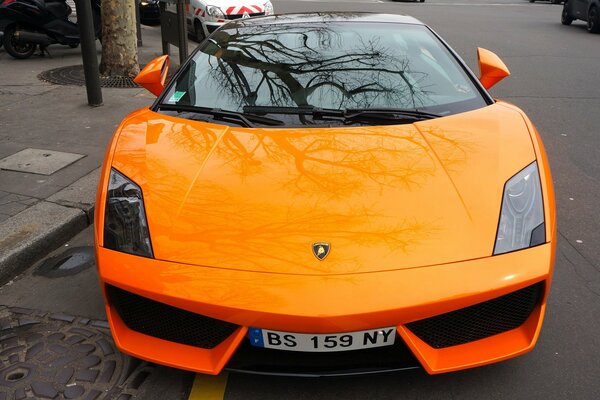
(199,32)
(17,50)
(565,18)
(593,20)
(532,1)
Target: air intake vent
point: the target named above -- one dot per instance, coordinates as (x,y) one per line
(480,320)
(166,322)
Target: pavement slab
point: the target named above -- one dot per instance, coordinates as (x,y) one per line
(13,204)
(38,161)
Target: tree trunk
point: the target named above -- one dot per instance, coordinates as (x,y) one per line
(119,39)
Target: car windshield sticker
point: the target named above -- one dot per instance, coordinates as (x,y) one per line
(176,96)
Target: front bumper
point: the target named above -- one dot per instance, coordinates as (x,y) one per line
(326,304)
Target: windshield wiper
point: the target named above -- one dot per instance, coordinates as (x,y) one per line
(421,115)
(239,118)
(349,115)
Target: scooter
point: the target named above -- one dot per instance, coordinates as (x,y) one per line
(29,23)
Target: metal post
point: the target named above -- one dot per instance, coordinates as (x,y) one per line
(138,25)
(87,37)
(181,25)
(164,41)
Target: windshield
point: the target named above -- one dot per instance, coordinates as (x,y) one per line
(334,65)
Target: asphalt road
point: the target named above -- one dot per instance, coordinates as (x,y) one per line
(556,80)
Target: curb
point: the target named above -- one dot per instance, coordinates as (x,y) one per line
(38,230)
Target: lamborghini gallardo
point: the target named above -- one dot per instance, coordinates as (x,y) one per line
(322,194)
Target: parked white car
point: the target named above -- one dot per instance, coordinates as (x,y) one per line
(205,16)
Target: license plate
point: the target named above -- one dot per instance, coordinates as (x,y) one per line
(309,342)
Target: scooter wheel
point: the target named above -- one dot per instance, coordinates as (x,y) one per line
(14,48)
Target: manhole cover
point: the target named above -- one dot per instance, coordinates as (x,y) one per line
(73,75)
(58,356)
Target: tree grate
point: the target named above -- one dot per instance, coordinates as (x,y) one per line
(73,76)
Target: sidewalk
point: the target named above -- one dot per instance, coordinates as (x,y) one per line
(41,207)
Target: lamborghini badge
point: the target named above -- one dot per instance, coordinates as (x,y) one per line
(320,250)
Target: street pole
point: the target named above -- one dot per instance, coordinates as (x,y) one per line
(181,21)
(87,37)
(138,24)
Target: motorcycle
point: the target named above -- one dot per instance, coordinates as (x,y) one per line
(30,23)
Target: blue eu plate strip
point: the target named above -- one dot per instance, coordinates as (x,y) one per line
(256,337)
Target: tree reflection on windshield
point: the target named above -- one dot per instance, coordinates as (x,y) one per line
(295,66)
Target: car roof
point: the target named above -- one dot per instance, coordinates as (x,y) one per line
(325,17)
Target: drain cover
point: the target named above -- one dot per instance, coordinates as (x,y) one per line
(73,75)
(69,262)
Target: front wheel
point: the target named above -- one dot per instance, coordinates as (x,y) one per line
(565,18)
(15,48)
(593,21)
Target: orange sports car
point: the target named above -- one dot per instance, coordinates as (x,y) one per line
(323,194)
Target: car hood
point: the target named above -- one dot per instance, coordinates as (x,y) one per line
(383,198)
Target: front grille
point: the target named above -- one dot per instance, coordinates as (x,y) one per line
(166,322)
(480,320)
(239,16)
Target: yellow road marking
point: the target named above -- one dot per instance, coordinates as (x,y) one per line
(209,387)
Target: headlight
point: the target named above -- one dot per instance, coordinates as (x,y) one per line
(269,8)
(215,12)
(125,225)
(522,216)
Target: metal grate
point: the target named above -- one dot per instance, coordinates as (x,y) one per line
(480,320)
(240,16)
(166,322)
(73,75)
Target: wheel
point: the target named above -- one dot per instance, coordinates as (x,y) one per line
(199,31)
(565,18)
(593,21)
(14,48)
(532,1)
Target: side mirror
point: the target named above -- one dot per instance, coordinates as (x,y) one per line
(154,74)
(491,68)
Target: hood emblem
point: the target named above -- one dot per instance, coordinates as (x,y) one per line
(320,250)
